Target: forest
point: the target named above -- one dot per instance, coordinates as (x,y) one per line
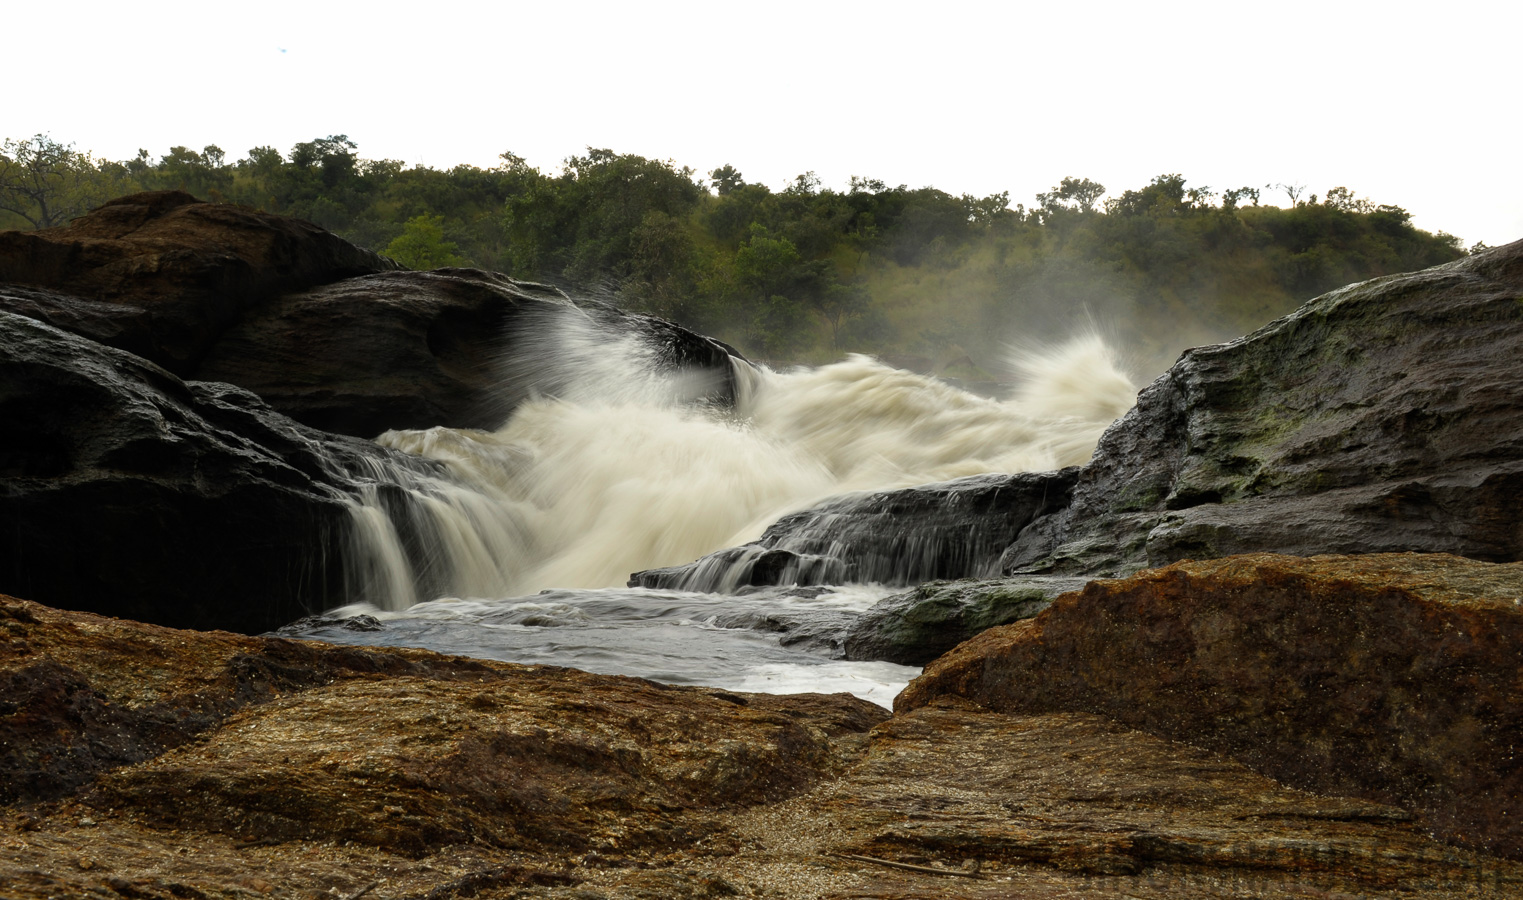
(803,273)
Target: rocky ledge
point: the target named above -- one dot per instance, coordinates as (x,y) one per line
(327,333)
(1393,677)
(165,368)
(141,761)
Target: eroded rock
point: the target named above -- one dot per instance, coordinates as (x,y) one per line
(455,347)
(956,529)
(321,771)
(162,274)
(1397,677)
(126,490)
(1384,416)
(919,625)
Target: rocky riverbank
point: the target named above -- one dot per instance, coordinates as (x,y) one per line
(1178,709)
(142,761)
(190,388)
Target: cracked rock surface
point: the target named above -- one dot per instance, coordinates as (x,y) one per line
(184,764)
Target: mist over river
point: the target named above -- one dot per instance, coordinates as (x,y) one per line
(520,547)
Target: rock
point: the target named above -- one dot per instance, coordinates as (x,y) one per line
(953,530)
(1383,416)
(919,625)
(1394,677)
(456,347)
(325,332)
(163,274)
(127,491)
(301,769)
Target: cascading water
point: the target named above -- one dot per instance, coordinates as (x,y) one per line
(607,467)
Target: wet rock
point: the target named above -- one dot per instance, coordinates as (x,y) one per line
(330,334)
(162,274)
(127,491)
(1383,416)
(302,769)
(919,625)
(1393,677)
(953,530)
(456,347)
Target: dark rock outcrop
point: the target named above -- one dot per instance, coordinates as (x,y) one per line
(457,347)
(1384,416)
(919,625)
(126,490)
(325,332)
(953,530)
(179,764)
(163,274)
(1394,677)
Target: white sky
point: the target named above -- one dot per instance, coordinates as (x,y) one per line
(1404,103)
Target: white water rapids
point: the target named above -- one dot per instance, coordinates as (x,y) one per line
(622,471)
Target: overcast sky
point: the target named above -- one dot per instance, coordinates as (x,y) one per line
(1405,103)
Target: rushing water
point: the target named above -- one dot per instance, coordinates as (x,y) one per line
(608,468)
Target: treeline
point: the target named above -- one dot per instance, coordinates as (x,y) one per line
(925,278)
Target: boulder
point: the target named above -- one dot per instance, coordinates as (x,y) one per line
(150,762)
(1384,416)
(456,347)
(168,273)
(915,627)
(128,491)
(957,529)
(1393,677)
(332,335)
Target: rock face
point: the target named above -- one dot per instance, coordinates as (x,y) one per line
(458,347)
(952,530)
(919,625)
(332,335)
(164,274)
(147,762)
(1395,677)
(126,490)
(1383,416)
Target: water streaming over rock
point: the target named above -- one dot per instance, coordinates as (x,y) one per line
(611,464)
(621,470)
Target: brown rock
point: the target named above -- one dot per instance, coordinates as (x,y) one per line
(1397,677)
(325,771)
(176,271)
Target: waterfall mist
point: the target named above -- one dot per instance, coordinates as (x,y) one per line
(610,464)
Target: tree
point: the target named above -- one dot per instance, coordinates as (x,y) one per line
(1293,191)
(46,183)
(421,245)
(1072,193)
(726,179)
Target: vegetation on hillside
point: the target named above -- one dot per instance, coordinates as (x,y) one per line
(918,275)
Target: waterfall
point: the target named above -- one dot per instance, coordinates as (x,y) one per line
(612,464)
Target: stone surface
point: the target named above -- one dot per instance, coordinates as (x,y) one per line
(126,490)
(305,770)
(163,274)
(325,332)
(455,347)
(957,529)
(1384,416)
(1396,677)
(919,625)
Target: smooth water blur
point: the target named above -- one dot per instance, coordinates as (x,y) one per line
(622,473)
(775,640)
(607,467)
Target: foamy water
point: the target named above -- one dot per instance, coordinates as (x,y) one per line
(620,470)
(582,491)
